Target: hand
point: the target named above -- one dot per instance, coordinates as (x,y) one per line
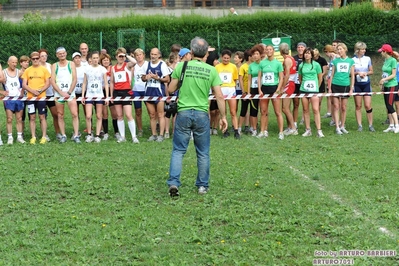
(223,124)
(382,82)
(112,100)
(64,94)
(83,100)
(35,93)
(107,102)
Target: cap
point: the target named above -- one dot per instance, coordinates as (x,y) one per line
(76,54)
(183,52)
(386,48)
(301,44)
(60,49)
(34,54)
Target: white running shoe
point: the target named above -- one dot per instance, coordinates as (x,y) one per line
(389,129)
(89,138)
(338,131)
(136,140)
(97,139)
(307,133)
(280,136)
(106,136)
(343,130)
(320,134)
(10,140)
(20,139)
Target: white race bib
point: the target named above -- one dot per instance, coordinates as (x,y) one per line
(254,83)
(154,84)
(95,87)
(385,75)
(268,78)
(343,67)
(120,76)
(226,77)
(360,79)
(310,86)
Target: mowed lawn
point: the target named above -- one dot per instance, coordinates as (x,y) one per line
(271,202)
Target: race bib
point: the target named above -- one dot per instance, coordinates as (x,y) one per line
(254,82)
(95,87)
(64,86)
(13,88)
(154,84)
(310,86)
(385,75)
(360,79)
(120,76)
(268,78)
(343,67)
(225,77)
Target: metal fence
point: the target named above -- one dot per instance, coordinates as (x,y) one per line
(22,5)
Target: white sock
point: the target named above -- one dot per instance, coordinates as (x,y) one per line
(121,128)
(19,134)
(10,135)
(295,124)
(391,125)
(132,127)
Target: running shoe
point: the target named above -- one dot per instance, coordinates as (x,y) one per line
(389,129)
(280,136)
(160,138)
(173,191)
(136,140)
(371,129)
(97,139)
(153,138)
(202,190)
(33,141)
(20,139)
(343,130)
(320,134)
(43,140)
(360,128)
(307,133)
(105,136)
(10,140)
(338,131)
(89,138)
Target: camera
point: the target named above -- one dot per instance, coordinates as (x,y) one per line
(171,107)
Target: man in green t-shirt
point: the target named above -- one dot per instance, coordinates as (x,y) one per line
(193,115)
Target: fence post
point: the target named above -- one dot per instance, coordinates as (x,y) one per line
(218,37)
(101,40)
(335,34)
(159,40)
(40,41)
(249,3)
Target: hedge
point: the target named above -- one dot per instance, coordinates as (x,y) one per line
(353,23)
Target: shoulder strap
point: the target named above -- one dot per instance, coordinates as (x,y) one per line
(183,71)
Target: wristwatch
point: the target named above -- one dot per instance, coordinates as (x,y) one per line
(69,93)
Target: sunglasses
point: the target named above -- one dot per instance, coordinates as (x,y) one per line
(35,58)
(121,56)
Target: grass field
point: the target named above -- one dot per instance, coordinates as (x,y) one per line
(271,202)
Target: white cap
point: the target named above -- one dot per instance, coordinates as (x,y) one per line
(76,54)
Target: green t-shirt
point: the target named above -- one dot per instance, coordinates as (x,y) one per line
(342,71)
(253,70)
(309,73)
(198,79)
(270,71)
(389,64)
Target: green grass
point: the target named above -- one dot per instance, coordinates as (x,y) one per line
(271,202)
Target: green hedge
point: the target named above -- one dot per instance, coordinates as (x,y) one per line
(351,24)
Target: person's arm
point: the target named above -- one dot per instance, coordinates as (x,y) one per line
(84,85)
(2,76)
(280,84)
(320,78)
(173,85)
(249,83)
(74,79)
(53,81)
(106,87)
(111,85)
(241,82)
(217,91)
(25,86)
(260,82)
(332,76)
(352,76)
(132,62)
(287,67)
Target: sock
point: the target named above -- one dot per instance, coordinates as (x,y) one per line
(10,135)
(132,127)
(19,134)
(115,125)
(296,125)
(105,126)
(391,125)
(121,128)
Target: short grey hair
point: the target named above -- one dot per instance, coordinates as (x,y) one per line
(284,48)
(359,46)
(199,47)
